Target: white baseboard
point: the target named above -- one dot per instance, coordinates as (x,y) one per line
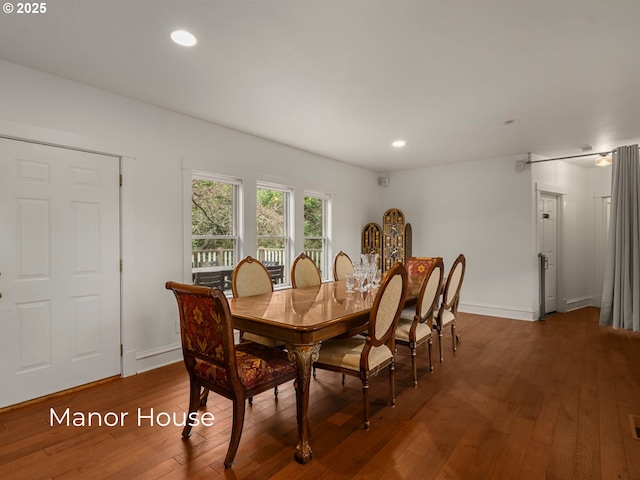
(158,357)
(579,302)
(499,311)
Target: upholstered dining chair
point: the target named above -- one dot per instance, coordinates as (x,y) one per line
(365,356)
(342,266)
(419,266)
(416,323)
(305,272)
(448,311)
(213,361)
(251,277)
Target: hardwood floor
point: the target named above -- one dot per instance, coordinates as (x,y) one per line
(527,400)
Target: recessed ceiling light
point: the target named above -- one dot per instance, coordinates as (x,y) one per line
(399,143)
(184,38)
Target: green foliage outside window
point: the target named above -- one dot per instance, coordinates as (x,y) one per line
(211,213)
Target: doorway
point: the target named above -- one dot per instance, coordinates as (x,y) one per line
(548,246)
(59,269)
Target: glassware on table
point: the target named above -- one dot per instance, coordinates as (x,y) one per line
(360,275)
(349,281)
(371,270)
(377,276)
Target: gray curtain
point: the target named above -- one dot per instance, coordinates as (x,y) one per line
(621,290)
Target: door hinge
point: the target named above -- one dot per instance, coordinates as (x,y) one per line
(120,179)
(120,266)
(121,350)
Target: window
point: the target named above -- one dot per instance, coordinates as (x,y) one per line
(316,238)
(272,222)
(214,227)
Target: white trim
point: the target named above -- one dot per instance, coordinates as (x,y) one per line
(273,186)
(58,145)
(552,189)
(504,311)
(158,357)
(579,302)
(214,177)
(152,352)
(187,178)
(127,277)
(146,366)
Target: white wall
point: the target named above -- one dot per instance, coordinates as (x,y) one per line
(160,145)
(481,208)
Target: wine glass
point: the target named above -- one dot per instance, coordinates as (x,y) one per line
(377,276)
(349,281)
(371,270)
(360,274)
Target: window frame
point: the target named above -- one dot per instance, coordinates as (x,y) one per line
(325,237)
(287,237)
(236,235)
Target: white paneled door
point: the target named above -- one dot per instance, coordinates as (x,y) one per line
(59,269)
(548,218)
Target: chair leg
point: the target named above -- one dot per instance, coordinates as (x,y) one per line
(365,399)
(430,345)
(343,378)
(236,431)
(204,396)
(392,383)
(194,402)
(453,336)
(440,344)
(412,346)
(275,391)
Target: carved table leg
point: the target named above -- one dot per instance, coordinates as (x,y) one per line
(304,356)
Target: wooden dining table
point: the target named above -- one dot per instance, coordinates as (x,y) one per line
(303,318)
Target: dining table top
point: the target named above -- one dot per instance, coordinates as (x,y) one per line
(310,314)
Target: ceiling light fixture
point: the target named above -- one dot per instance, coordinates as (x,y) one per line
(399,143)
(184,38)
(603,160)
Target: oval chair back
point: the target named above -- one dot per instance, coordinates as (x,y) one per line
(450,299)
(430,291)
(250,277)
(387,307)
(342,266)
(305,272)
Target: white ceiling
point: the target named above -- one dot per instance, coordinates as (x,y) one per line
(344,78)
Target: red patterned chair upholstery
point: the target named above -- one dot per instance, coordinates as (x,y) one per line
(213,361)
(419,266)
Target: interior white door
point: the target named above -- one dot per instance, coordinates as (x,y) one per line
(548,224)
(59,269)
